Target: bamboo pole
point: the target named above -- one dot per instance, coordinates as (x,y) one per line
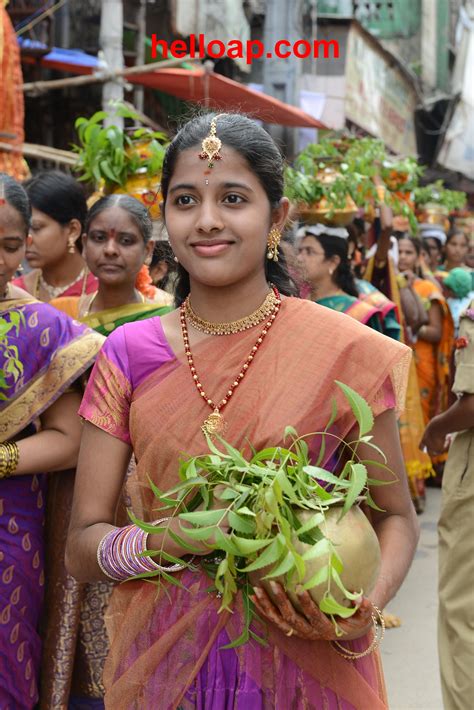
(43,152)
(37,87)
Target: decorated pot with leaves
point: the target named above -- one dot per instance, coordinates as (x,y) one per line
(146,189)
(287,516)
(340,567)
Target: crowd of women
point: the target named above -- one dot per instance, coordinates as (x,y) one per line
(69,632)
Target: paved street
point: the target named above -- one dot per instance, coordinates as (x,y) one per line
(410,652)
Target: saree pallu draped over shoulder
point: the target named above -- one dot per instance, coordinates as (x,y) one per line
(165,644)
(54,351)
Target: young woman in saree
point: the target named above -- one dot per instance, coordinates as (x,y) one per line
(59,210)
(224,210)
(53,351)
(323,256)
(116,244)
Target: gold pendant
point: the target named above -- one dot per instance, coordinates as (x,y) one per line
(214,424)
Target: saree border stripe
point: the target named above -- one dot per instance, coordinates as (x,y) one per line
(66,366)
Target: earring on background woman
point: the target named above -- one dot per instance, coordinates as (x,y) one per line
(71,245)
(273,242)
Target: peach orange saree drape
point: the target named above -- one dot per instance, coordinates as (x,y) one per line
(160,638)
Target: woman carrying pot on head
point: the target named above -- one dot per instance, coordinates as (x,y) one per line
(323,257)
(223,204)
(117,245)
(44,355)
(58,214)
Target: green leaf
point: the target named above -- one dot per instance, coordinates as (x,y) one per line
(183,543)
(268,557)
(286,564)
(349,595)
(329,605)
(323,475)
(322,547)
(204,517)
(241,524)
(225,542)
(358,482)
(319,578)
(361,410)
(247,547)
(199,533)
(370,501)
(314,522)
(246,511)
(146,527)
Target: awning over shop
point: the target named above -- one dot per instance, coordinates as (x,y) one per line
(219,92)
(199,86)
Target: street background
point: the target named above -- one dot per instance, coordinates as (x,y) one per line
(409,653)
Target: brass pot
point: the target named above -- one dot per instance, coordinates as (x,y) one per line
(433,213)
(358,547)
(144,188)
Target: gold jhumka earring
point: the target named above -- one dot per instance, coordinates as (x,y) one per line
(211,144)
(273,242)
(71,245)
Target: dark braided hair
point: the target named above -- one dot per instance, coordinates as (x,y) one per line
(342,276)
(263,157)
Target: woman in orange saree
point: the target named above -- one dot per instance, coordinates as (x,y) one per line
(435,340)
(166,642)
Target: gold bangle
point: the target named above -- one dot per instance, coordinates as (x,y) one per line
(9,457)
(354,655)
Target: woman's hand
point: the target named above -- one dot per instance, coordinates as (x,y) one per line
(312,624)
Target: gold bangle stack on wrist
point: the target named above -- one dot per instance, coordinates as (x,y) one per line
(9,457)
(378,636)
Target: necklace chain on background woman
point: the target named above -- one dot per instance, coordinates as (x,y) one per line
(236,326)
(215,423)
(55,291)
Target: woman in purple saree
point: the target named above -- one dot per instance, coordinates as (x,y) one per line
(53,351)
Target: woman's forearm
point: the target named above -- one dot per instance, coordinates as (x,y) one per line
(429,333)
(81,552)
(398,537)
(45,452)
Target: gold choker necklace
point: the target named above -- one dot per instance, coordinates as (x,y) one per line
(236,326)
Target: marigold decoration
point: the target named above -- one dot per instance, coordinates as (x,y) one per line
(144,283)
(11,100)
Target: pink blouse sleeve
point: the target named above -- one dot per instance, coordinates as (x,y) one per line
(106,401)
(384,399)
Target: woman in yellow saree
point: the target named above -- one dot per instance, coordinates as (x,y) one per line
(278,357)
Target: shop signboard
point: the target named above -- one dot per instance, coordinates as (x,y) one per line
(379,97)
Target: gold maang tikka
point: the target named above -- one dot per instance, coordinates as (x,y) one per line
(273,242)
(211,144)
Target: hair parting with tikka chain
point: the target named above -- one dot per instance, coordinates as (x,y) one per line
(207,134)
